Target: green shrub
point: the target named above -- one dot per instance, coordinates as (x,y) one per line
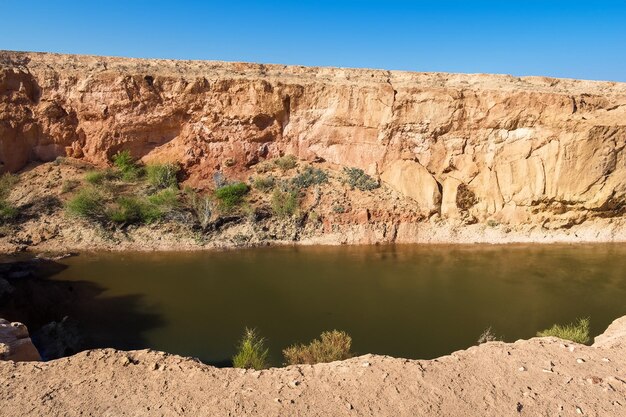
(577,331)
(284,203)
(331,346)
(128,210)
(87,203)
(166,199)
(308,177)
(357,178)
(264,183)
(231,195)
(162,176)
(286,162)
(127,166)
(251,352)
(7,211)
(133,210)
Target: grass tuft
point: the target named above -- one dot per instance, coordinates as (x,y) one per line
(126,165)
(286,162)
(251,352)
(96,177)
(331,346)
(162,175)
(577,331)
(284,203)
(87,204)
(7,211)
(231,195)
(264,184)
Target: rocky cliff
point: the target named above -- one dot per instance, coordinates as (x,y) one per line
(470,148)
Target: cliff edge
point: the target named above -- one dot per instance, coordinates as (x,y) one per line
(540,376)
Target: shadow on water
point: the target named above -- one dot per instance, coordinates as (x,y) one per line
(35,299)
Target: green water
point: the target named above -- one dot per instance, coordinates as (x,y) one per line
(407,301)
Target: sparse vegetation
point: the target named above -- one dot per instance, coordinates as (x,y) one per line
(308,177)
(231,195)
(200,205)
(284,202)
(166,199)
(126,165)
(251,352)
(141,210)
(357,178)
(339,209)
(331,346)
(162,175)
(129,210)
(264,167)
(286,162)
(577,331)
(96,177)
(87,203)
(69,185)
(487,336)
(264,184)
(465,198)
(7,211)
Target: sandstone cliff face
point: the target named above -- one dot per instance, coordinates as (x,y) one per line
(471,147)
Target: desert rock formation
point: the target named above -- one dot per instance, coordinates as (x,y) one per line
(15,343)
(521,146)
(540,376)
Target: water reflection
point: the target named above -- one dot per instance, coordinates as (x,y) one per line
(409,301)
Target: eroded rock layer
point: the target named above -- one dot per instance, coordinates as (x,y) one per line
(517,150)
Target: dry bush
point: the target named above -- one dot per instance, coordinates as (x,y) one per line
(331,346)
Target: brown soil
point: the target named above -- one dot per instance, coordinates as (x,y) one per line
(537,377)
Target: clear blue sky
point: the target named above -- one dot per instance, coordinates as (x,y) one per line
(577,39)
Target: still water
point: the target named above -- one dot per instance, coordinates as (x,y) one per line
(406,301)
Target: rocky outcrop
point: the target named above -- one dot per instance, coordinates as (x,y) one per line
(530,150)
(15,344)
(414,181)
(541,376)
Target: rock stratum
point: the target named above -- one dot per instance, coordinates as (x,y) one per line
(535,158)
(538,377)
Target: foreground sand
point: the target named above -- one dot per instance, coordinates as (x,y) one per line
(538,377)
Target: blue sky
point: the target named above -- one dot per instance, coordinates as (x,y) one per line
(576,39)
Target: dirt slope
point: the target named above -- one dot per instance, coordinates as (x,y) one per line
(537,377)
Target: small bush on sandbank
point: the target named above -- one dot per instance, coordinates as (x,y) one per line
(331,346)
(251,352)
